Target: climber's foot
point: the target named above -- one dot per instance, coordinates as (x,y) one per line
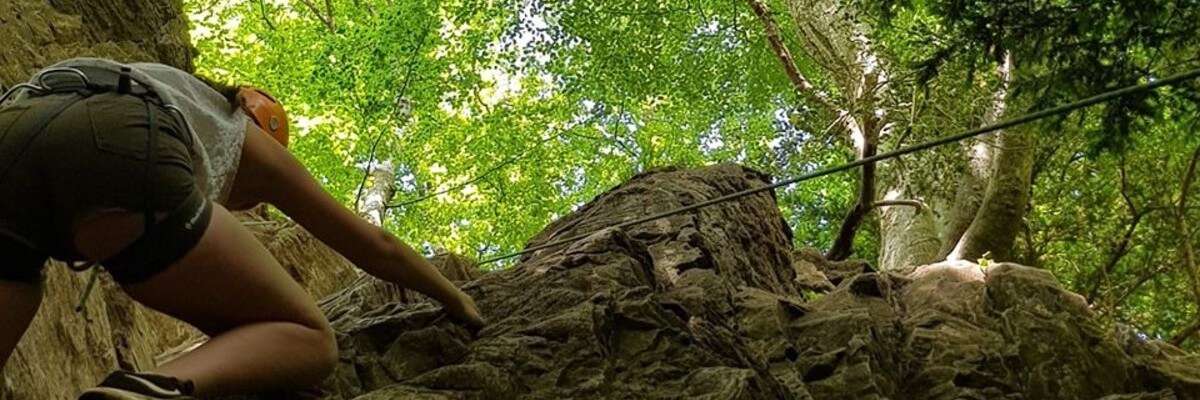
(123,385)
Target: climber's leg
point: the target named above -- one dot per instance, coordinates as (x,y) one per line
(266,332)
(19,302)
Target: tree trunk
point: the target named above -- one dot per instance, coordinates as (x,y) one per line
(908,235)
(381,188)
(972,184)
(986,212)
(998,220)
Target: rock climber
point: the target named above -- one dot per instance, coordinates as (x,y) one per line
(137,167)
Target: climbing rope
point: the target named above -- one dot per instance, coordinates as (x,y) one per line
(1090,101)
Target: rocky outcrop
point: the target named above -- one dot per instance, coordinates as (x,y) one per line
(39,32)
(715,304)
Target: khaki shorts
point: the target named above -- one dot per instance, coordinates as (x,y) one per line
(93,157)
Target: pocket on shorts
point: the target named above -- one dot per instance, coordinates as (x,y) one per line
(120,126)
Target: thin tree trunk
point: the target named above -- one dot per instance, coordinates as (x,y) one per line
(843,245)
(1189,253)
(972,184)
(1181,219)
(998,221)
(373,206)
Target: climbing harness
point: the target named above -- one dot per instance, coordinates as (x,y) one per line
(82,82)
(1062,109)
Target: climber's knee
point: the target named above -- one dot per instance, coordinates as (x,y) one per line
(321,347)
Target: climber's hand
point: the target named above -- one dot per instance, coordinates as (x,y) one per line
(464,310)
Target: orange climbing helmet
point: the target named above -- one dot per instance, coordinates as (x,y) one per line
(265,111)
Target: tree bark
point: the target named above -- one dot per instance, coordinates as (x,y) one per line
(972,184)
(998,220)
(843,244)
(908,235)
(1189,252)
(382,187)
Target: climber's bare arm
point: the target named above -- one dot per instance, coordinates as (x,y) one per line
(19,302)
(269,173)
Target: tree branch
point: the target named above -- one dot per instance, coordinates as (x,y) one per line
(633,155)
(329,7)
(262,8)
(1186,333)
(843,245)
(478,178)
(1138,285)
(1125,186)
(328,21)
(1123,246)
(801,84)
(890,203)
(485,174)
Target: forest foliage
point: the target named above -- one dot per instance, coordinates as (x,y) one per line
(495,117)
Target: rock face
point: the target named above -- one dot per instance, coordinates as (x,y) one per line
(715,304)
(39,32)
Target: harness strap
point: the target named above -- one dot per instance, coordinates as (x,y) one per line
(151,161)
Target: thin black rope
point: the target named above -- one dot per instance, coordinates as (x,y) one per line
(1090,101)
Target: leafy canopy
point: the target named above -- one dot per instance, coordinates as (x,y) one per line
(494,117)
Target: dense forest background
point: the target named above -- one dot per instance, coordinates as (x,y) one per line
(468,125)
